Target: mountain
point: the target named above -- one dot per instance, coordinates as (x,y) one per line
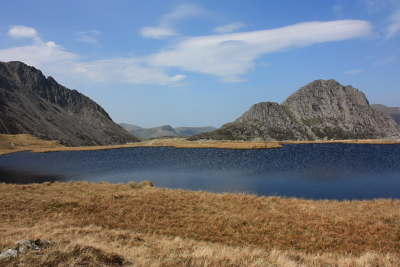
(166,130)
(154,132)
(188,131)
(320,110)
(130,127)
(30,103)
(394,113)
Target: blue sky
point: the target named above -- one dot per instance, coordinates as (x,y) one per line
(204,63)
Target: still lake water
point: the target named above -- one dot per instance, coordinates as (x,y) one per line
(317,171)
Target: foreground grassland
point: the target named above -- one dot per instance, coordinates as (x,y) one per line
(102,224)
(25,142)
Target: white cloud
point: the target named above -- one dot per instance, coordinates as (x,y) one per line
(54,59)
(37,54)
(230,55)
(127,70)
(22,31)
(230,27)
(227,56)
(89,37)
(394,24)
(166,27)
(157,32)
(178,78)
(356,71)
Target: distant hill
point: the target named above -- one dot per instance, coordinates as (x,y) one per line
(30,103)
(392,112)
(320,110)
(188,131)
(165,130)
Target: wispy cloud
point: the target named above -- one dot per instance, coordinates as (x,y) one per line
(54,58)
(127,70)
(352,72)
(157,32)
(394,24)
(230,55)
(230,27)
(90,37)
(227,56)
(38,53)
(385,61)
(166,27)
(391,26)
(338,10)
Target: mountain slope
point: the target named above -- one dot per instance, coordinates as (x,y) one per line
(320,110)
(394,112)
(31,103)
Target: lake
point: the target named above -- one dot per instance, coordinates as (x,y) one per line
(312,171)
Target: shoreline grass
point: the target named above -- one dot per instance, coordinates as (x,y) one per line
(25,142)
(165,227)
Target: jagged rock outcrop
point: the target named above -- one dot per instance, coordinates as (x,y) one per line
(30,103)
(393,112)
(320,110)
(166,130)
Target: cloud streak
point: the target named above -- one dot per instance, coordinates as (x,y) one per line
(89,37)
(230,27)
(230,55)
(227,56)
(394,24)
(166,27)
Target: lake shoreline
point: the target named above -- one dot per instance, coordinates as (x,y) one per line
(25,142)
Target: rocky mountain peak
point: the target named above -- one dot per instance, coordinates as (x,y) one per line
(322,109)
(31,103)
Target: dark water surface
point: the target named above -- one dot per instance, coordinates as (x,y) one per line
(318,171)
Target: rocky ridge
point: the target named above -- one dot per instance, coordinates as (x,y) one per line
(30,103)
(323,109)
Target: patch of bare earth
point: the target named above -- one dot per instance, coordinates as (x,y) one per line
(102,224)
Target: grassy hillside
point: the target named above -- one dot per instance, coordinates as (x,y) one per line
(102,224)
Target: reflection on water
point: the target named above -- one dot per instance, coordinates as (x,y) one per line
(319,171)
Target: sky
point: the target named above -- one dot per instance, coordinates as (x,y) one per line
(204,63)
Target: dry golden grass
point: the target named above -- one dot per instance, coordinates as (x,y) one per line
(24,142)
(165,227)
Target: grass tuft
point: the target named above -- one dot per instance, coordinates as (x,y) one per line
(136,185)
(133,184)
(146,184)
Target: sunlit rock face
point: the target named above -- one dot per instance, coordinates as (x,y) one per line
(320,110)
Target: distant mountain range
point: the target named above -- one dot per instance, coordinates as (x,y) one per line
(323,109)
(166,130)
(30,103)
(392,112)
